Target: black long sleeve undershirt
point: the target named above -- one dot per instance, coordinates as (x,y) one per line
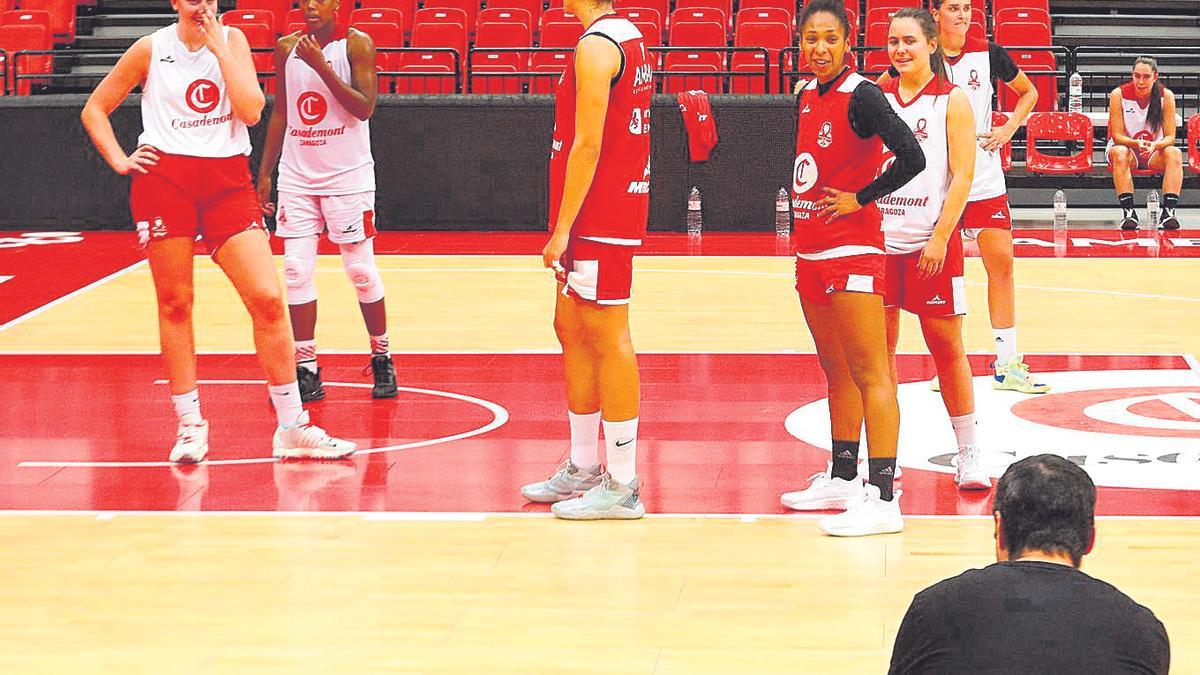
(871,115)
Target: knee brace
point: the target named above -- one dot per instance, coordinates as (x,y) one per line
(299,269)
(359,262)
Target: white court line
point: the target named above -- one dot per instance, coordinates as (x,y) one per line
(1193,363)
(58,301)
(499,419)
(480,516)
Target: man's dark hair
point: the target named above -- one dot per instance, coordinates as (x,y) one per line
(1047,504)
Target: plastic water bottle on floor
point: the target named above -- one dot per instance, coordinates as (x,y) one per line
(1152,205)
(783,213)
(695,222)
(1060,211)
(1075,93)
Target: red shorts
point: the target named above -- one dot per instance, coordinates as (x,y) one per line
(816,279)
(599,273)
(942,295)
(986,214)
(186,196)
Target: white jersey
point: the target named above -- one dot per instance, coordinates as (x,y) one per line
(975,70)
(184,107)
(326,150)
(911,213)
(1134,114)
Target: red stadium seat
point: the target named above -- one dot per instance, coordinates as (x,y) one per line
(241,17)
(389,15)
(877,34)
(278,8)
(62,18)
(640,15)
(15,37)
(423,72)
(485,66)
(433,33)
(1058,126)
(440,15)
(752,63)
(892,4)
(384,35)
(1022,34)
(876,61)
(764,15)
(506,15)
(26,17)
(702,15)
(977,31)
(694,62)
(493,34)
(546,62)
(295,27)
(1193,142)
(651,35)
(294,16)
(1047,85)
(443,35)
(697,34)
(726,6)
(880,15)
(999,119)
(774,37)
(788,6)
(260,36)
(1023,15)
(408,9)
(663,7)
(469,7)
(563,35)
(533,7)
(998,5)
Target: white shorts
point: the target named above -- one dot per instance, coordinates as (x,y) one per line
(348,219)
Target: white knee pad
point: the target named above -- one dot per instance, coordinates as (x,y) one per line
(359,261)
(299,269)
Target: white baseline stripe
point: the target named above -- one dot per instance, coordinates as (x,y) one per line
(1193,363)
(58,301)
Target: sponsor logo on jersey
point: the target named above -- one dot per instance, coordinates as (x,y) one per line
(167,59)
(999,215)
(920,132)
(804,174)
(311,107)
(641,76)
(203,96)
(641,187)
(974,82)
(806,109)
(157,228)
(825,135)
(935,300)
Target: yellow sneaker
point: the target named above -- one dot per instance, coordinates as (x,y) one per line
(1014,376)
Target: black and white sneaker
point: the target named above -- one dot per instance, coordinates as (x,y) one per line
(384,372)
(311,388)
(1168,221)
(1130,220)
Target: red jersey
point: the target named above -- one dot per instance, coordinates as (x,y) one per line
(830,154)
(618,202)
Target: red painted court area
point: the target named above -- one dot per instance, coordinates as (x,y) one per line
(717,436)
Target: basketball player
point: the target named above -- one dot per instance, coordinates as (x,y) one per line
(599,202)
(920,222)
(326,180)
(843,125)
(1141,135)
(975,65)
(191,177)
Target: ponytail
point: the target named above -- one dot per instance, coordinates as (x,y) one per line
(1154,114)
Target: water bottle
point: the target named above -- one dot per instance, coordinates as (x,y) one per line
(1075,93)
(695,222)
(1060,211)
(1152,205)
(783,213)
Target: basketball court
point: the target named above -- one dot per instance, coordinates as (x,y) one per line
(419,554)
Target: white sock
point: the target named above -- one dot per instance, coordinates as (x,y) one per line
(286,399)
(187,404)
(306,355)
(964,429)
(1006,344)
(620,443)
(585,439)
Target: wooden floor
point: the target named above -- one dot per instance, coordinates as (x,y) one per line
(287,593)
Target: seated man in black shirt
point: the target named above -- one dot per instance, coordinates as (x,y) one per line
(1033,611)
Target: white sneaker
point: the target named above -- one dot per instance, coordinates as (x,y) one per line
(970,474)
(864,468)
(309,441)
(865,516)
(823,492)
(191,440)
